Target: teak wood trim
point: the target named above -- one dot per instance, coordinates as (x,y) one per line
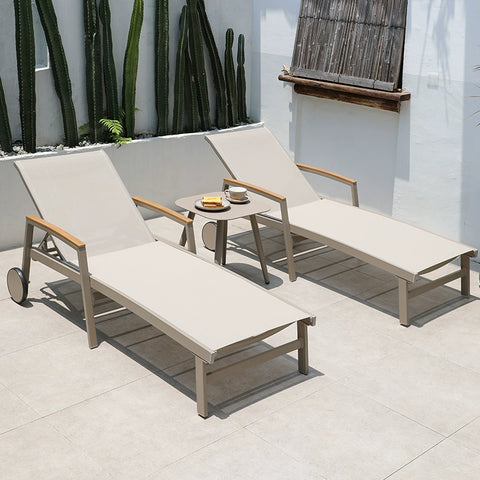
(164,210)
(56,231)
(346,93)
(253,188)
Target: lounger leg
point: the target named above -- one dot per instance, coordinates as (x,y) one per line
(201,387)
(465,282)
(87,299)
(183,238)
(302,334)
(289,253)
(403,302)
(258,243)
(27,251)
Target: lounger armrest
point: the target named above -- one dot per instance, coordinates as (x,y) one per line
(333,176)
(254,188)
(172,215)
(55,231)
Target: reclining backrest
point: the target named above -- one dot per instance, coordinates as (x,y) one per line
(255,156)
(83,194)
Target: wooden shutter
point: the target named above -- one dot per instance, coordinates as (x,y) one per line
(354,42)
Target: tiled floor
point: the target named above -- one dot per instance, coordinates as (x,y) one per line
(381,401)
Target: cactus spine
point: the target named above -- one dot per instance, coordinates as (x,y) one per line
(109,71)
(59,65)
(130,67)
(198,64)
(161,65)
(25,45)
(217,69)
(5,132)
(230,79)
(241,82)
(93,66)
(180,78)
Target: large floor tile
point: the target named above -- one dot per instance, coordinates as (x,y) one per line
(38,451)
(346,436)
(469,435)
(446,461)
(13,411)
(61,372)
(139,428)
(239,456)
(428,389)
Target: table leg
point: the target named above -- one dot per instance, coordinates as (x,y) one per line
(183,238)
(258,243)
(221,242)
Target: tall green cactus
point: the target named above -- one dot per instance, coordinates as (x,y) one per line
(109,71)
(232,109)
(5,132)
(241,82)
(180,80)
(60,73)
(130,67)
(217,69)
(93,66)
(198,64)
(25,45)
(161,65)
(191,96)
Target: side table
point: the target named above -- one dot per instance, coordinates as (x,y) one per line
(249,209)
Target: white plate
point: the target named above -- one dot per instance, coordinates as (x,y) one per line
(225,206)
(245,199)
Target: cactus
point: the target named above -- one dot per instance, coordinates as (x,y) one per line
(180,79)
(191,96)
(60,73)
(198,64)
(217,70)
(161,65)
(93,66)
(5,132)
(25,46)
(241,82)
(230,80)
(109,71)
(130,67)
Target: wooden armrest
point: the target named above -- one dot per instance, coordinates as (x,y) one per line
(172,214)
(333,176)
(52,229)
(253,188)
(326,173)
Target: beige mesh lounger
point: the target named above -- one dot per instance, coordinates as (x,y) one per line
(109,249)
(256,160)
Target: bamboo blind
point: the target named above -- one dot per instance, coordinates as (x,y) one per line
(354,42)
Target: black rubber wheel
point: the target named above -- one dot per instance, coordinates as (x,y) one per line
(17,285)
(209,233)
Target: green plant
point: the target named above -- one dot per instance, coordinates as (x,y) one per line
(59,66)
(93,65)
(114,128)
(5,132)
(232,109)
(180,77)
(161,65)
(25,46)
(198,64)
(241,82)
(130,67)
(217,70)
(191,98)
(109,71)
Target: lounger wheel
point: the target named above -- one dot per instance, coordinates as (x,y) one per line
(209,232)
(17,285)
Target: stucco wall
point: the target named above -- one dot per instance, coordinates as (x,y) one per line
(421,165)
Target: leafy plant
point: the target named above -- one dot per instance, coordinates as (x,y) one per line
(115,130)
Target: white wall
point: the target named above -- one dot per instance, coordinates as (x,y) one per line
(421,165)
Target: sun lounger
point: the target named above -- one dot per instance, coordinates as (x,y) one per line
(101,241)
(256,160)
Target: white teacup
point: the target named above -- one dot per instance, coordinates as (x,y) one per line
(236,193)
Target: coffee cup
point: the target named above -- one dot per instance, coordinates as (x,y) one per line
(236,193)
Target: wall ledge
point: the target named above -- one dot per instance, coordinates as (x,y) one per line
(390,101)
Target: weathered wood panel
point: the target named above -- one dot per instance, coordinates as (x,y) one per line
(356,42)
